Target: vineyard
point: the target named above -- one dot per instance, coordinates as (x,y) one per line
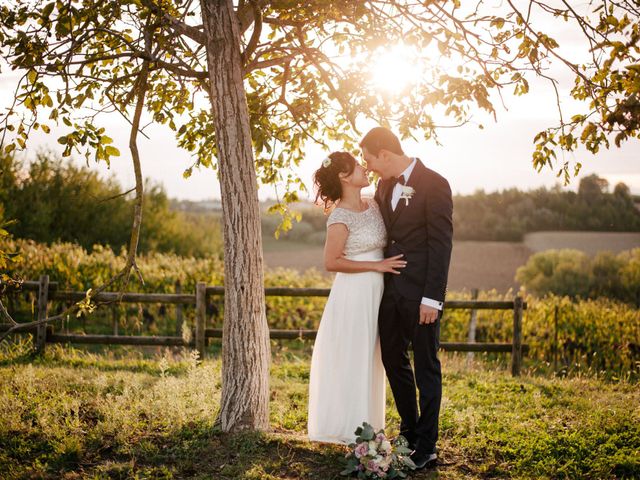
(600,335)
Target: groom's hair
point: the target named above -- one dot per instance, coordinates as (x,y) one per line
(380,138)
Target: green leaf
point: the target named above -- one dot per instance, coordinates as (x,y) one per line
(367,432)
(112,151)
(47,9)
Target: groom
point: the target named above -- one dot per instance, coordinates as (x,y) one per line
(417,209)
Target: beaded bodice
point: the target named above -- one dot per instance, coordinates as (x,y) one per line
(366,229)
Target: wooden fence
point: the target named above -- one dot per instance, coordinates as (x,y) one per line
(48,291)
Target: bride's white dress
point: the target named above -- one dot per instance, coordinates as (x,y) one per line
(347,379)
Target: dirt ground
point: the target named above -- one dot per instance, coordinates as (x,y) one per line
(482,265)
(588,242)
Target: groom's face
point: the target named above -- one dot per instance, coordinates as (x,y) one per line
(377,163)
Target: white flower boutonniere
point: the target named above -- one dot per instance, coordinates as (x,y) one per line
(407,193)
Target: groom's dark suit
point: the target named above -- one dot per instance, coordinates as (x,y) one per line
(422,231)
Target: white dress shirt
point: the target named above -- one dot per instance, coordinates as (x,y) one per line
(397,190)
(395,198)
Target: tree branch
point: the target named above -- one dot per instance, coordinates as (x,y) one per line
(255,35)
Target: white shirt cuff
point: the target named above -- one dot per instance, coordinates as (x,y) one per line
(432,303)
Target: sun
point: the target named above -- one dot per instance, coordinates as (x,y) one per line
(394,69)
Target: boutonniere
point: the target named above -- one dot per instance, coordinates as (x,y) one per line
(407,193)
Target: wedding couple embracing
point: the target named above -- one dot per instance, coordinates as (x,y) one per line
(391,254)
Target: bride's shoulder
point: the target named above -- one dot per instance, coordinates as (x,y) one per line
(338,215)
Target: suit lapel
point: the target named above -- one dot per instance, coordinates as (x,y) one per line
(385,196)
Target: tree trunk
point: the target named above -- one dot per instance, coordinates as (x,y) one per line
(246,353)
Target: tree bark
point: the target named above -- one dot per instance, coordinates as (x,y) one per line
(246,354)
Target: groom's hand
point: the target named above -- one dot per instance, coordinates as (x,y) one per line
(428,314)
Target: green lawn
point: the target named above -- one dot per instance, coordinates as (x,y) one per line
(81,415)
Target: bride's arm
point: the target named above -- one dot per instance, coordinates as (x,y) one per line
(334,260)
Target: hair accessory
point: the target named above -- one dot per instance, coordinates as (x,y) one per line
(326,162)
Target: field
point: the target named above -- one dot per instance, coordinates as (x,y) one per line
(79,415)
(588,242)
(483,265)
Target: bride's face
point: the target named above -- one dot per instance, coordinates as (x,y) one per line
(358,177)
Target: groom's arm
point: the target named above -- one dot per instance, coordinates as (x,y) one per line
(439,218)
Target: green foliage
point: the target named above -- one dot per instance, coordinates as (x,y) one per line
(575,274)
(609,81)
(98,416)
(53,200)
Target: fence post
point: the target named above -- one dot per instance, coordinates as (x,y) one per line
(555,340)
(178,290)
(41,330)
(473,322)
(516,351)
(201,315)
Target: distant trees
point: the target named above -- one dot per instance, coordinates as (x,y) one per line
(509,214)
(53,200)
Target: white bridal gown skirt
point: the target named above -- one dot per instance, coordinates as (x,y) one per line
(347,379)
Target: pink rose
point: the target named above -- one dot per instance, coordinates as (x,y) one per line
(372,466)
(361,449)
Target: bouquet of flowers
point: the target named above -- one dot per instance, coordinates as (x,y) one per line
(374,456)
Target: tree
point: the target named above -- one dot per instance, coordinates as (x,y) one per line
(274,75)
(622,191)
(53,200)
(592,188)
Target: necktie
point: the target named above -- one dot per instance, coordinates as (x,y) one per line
(399,180)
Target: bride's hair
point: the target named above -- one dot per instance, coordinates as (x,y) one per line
(327,179)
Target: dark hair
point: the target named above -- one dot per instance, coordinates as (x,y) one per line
(327,179)
(380,138)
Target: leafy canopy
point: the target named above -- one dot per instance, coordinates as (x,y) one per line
(308,72)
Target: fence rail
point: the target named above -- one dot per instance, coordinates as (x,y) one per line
(49,291)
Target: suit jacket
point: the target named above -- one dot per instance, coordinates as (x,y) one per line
(422,231)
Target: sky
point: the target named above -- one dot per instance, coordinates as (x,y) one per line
(494,158)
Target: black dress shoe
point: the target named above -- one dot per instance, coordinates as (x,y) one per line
(423,460)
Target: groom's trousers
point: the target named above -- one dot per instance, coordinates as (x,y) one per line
(399,326)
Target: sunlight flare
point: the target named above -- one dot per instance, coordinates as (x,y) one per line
(395,69)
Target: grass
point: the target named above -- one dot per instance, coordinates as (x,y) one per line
(76,414)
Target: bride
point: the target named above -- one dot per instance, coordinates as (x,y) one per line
(347,380)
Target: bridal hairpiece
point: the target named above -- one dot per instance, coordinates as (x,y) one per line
(326,162)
